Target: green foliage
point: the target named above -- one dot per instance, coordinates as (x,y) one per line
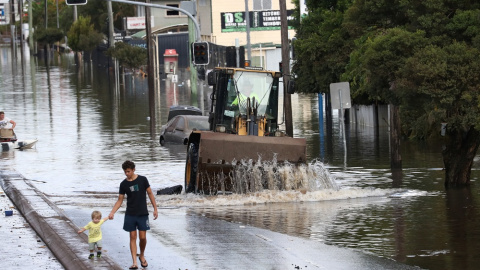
(322,49)
(129,56)
(420,55)
(373,66)
(96,10)
(4,29)
(38,11)
(441,84)
(49,35)
(465,25)
(82,35)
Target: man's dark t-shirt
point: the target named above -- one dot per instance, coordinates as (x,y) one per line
(136,192)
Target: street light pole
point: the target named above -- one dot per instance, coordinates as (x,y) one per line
(287,100)
(247,29)
(30,31)
(58,23)
(150,72)
(111,42)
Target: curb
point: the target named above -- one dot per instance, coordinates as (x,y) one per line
(52,226)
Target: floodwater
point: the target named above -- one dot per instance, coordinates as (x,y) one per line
(86,128)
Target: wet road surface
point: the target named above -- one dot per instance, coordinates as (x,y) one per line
(181,240)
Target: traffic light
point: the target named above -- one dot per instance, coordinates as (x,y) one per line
(201,54)
(76,2)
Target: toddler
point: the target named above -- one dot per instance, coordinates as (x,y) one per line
(94,233)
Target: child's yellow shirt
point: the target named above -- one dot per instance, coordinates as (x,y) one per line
(94,231)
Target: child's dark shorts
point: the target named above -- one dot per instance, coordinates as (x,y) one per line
(133,223)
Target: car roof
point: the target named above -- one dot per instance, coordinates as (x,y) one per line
(183,110)
(198,117)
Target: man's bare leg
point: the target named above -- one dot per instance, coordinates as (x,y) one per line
(133,247)
(142,235)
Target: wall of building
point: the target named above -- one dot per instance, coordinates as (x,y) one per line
(211,13)
(164,17)
(234,9)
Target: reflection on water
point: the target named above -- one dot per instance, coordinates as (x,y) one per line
(86,130)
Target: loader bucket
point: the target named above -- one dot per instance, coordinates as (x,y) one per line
(212,156)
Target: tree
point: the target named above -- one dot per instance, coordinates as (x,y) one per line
(421,56)
(48,35)
(322,47)
(96,10)
(445,81)
(82,36)
(129,56)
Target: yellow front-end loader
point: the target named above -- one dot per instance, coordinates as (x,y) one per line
(244,129)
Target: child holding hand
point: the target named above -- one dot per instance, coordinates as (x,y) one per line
(94,233)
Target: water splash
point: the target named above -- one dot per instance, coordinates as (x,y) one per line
(249,176)
(271,196)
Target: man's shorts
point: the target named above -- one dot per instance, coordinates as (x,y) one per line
(93,244)
(133,223)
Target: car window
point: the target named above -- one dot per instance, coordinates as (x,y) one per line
(171,125)
(180,124)
(198,124)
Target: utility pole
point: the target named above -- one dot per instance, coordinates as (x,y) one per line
(287,101)
(30,32)
(75,18)
(46,14)
(12,26)
(58,22)
(247,29)
(150,72)
(111,42)
(75,13)
(22,44)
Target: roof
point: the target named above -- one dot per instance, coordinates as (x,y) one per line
(162,30)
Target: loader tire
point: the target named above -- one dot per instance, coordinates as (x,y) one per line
(191,169)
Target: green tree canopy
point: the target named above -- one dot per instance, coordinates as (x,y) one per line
(49,35)
(96,10)
(82,36)
(128,56)
(422,56)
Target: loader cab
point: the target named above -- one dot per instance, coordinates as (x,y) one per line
(244,101)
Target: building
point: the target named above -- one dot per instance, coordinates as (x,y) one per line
(163,20)
(224,23)
(6,7)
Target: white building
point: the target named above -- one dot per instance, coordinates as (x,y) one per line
(6,7)
(223,22)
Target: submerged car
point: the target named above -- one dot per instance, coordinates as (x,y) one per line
(183,110)
(177,130)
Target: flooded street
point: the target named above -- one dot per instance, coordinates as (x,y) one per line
(86,129)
